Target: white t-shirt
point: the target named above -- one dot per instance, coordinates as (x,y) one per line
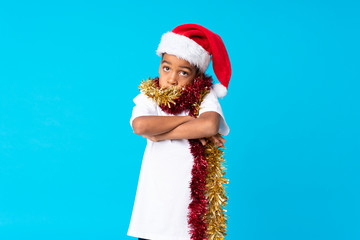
(163,192)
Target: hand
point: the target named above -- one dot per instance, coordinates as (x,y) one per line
(151,138)
(155,138)
(217,139)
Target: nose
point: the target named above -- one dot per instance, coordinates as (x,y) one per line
(172,80)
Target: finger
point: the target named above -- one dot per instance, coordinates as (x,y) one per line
(148,137)
(215,140)
(203,142)
(219,138)
(222,139)
(220,144)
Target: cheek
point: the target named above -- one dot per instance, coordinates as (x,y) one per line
(187,82)
(161,80)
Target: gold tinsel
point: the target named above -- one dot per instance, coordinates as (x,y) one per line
(215,193)
(164,96)
(198,103)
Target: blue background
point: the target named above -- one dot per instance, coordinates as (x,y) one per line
(69,162)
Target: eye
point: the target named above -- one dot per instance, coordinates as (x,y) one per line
(183,73)
(166,69)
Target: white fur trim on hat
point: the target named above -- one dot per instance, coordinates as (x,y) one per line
(220,90)
(185,48)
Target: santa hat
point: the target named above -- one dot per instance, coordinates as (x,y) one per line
(198,45)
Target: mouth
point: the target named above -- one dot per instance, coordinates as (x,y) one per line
(170,88)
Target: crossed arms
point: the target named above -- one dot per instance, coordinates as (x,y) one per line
(158,128)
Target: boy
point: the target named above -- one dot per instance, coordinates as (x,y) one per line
(177,112)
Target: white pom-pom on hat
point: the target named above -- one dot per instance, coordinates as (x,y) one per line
(220,90)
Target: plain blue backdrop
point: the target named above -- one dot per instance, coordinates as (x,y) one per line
(69,162)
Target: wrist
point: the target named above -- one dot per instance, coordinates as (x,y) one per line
(160,137)
(189,118)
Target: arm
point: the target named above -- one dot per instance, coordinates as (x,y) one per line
(155,125)
(206,125)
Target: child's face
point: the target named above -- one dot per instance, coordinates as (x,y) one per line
(174,71)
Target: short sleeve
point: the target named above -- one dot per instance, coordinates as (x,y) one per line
(211,104)
(143,107)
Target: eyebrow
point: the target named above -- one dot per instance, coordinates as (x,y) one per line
(186,67)
(164,61)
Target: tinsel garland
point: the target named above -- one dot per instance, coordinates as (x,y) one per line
(206,217)
(216,196)
(173,100)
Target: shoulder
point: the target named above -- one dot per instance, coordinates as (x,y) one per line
(211,104)
(144,106)
(141,98)
(212,94)
(210,100)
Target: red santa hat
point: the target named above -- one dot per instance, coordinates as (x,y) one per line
(198,45)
